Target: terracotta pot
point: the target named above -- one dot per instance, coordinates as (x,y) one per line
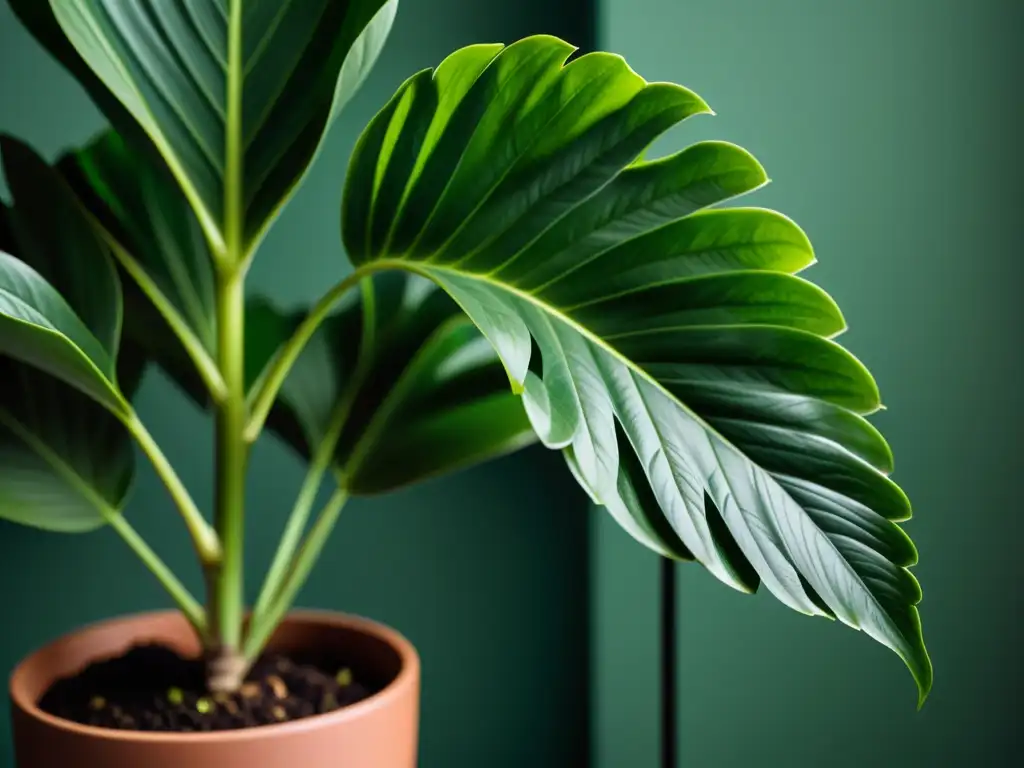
(379,732)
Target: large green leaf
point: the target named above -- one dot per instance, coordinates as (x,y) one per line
(137,202)
(65,462)
(235,95)
(52,236)
(168,272)
(431,397)
(74,338)
(37,17)
(686,372)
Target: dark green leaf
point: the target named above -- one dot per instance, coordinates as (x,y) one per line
(65,462)
(432,397)
(53,237)
(170,64)
(165,258)
(138,203)
(39,20)
(686,372)
(39,328)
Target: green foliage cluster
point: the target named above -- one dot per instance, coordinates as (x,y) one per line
(520,270)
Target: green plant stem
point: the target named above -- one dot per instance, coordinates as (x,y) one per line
(261,630)
(204,538)
(273,377)
(232,456)
(227,594)
(296,525)
(205,366)
(321,460)
(189,606)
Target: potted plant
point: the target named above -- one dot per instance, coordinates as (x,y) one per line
(520,271)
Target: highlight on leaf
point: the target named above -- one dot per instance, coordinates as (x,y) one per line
(664,344)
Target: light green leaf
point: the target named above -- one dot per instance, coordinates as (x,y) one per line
(432,398)
(65,463)
(688,375)
(236,96)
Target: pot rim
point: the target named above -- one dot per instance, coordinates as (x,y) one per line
(408,675)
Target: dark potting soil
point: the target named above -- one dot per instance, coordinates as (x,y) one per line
(152,688)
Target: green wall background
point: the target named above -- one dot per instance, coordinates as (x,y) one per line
(484,571)
(890,129)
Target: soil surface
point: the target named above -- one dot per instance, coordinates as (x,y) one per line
(152,688)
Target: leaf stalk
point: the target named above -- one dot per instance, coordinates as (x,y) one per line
(204,537)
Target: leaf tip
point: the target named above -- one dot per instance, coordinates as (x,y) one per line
(924,683)
(518,387)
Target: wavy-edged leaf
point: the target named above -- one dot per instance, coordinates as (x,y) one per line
(686,372)
(171,65)
(65,463)
(431,397)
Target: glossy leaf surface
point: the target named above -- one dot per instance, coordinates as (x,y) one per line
(166,266)
(688,375)
(235,95)
(430,397)
(65,462)
(137,202)
(50,233)
(60,299)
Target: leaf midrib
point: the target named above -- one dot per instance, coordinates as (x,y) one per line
(428,272)
(539,134)
(206,219)
(410,188)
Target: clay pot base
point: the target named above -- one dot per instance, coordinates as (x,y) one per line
(379,731)
(154,688)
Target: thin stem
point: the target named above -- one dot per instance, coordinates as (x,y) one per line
(234,213)
(189,606)
(322,457)
(262,629)
(204,363)
(295,526)
(203,536)
(227,598)
(265,392)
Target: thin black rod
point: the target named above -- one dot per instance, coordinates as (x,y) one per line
(669,649)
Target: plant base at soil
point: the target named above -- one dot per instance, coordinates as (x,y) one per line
(153,688)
